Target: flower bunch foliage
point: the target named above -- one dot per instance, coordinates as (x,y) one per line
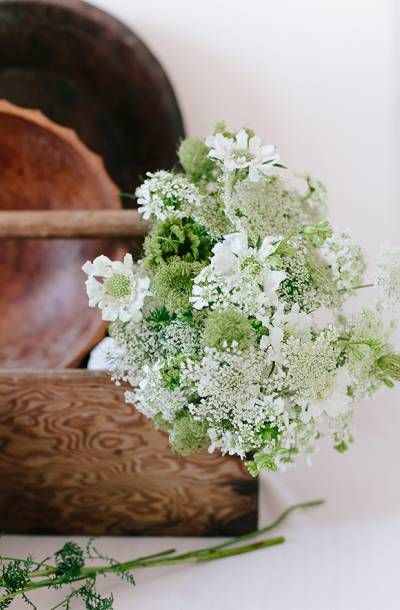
(216,327)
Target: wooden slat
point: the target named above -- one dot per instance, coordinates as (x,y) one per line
(44,224)
(75,459)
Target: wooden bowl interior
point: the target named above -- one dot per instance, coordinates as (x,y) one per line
(84,70)
(44,318)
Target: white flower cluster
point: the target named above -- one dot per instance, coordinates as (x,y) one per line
(216,328)
(151,397)
(239,275)
(165,194)
(345,260)
(388,277)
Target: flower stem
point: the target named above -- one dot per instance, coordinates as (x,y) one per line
(128,196)
(150,561)
(358,287)
(269,527)
(51,577)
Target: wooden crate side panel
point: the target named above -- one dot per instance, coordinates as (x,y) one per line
(75,459)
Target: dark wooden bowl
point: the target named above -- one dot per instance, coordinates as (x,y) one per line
(86,70)
(44,317)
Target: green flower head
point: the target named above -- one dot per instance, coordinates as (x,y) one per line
(173,283)
(390,366)
(188,435)
(119,285)
(160,423)
(261,461)
(174,237)
(222,328)
(323,280)
(193,156)
(170,372)
(317,234)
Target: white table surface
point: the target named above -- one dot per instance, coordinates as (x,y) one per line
(344,555)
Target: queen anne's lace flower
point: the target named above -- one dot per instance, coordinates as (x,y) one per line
(180,337)
(346,261)
(228,384)
(164,194)
(311,366)
(266,207)
(388,276)
(152,398)
(121,294)
(243,152)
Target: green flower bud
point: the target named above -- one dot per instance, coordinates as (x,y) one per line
(322,278)
(188,435)
(193,156)
(390,365)
(171,371)
(222,328)
(261,461)
(318,234)
(161,424)
(175,237)
(220,127)
(173,283)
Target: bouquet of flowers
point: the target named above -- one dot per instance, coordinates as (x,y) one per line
(230,329)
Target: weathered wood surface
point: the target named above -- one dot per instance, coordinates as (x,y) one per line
(44,318)
(74,459)
(38,224)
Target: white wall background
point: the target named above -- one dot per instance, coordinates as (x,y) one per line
(319,79)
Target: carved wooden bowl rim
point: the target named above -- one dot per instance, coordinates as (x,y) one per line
(97,174)
(69,136)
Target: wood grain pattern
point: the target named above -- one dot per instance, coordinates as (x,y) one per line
(75,459)
(71,224)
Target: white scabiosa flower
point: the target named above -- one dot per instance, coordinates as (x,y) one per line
(388,276)
(243,152)
(121,293)
(164,195)
(295,324)
(238,275)
(336,401)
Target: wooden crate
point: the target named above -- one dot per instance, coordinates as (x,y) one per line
(75,459)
